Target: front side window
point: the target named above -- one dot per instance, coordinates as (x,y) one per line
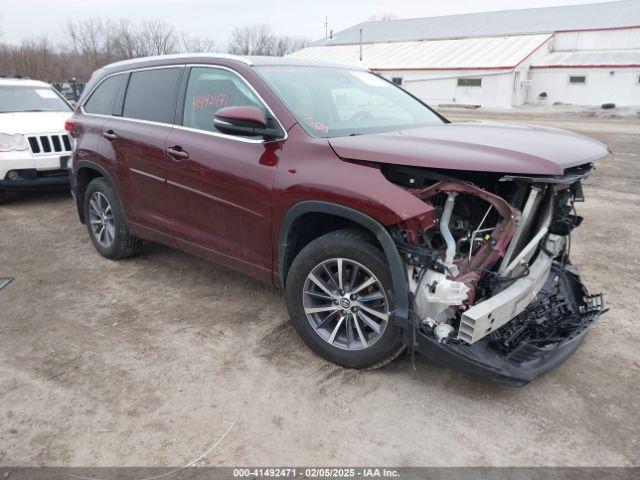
(151,95)
(16,98)
(102,99)
(209,90)
(333,102)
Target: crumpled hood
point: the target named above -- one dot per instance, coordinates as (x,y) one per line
(33,122)
(476,146)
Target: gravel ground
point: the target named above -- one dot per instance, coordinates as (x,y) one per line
(149,361)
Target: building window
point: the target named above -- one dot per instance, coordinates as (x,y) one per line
(396,81)
(577,79)
(469,82)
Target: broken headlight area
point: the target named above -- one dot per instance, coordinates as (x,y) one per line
(489,272)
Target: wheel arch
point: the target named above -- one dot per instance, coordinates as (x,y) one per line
(85,172)
(347,216)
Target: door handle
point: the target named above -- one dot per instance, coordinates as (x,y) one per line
(177,153)
(110,135)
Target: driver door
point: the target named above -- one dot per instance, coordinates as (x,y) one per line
(220,185)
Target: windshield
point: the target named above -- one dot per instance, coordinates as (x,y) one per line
(337,102)
(30,99)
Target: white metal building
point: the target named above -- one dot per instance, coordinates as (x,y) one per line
(581,54)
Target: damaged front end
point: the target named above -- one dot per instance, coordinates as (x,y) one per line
(493,290)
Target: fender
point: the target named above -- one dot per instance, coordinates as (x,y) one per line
(398,273)
(91,166)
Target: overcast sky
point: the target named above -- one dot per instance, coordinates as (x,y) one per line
(215,18)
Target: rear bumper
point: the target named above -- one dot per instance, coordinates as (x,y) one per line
(537,340)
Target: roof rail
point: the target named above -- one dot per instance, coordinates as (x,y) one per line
(179,56)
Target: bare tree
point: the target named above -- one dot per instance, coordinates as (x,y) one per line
(125,42)
(5,60)
(34,58)
(157,38)
(87,38)
(92,43)
(286,45)
(191,44)
(260,40)
(252,40)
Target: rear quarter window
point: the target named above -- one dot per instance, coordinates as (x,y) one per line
(102,99)
(151,95)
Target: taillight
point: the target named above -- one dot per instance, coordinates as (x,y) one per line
(70,124)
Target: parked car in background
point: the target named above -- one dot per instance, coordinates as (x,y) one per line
(34,147)
(387,226)
(70,90)
(66,91)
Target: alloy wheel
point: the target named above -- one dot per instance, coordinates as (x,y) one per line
(346,304)
(101,219)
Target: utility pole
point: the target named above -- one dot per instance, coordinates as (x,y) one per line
(361,44)
(326,27)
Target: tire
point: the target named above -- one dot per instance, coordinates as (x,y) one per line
(123,244)
(359,261)
(3,196)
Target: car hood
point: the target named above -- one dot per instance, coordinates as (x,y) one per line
(475,146)
(33,122)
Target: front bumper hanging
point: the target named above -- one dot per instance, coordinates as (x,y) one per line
(538,339)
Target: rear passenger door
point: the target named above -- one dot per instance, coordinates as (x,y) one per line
(96,111)
(137,134)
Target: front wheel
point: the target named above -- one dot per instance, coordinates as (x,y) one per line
(340,300)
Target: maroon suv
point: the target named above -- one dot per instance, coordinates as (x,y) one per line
(388,227)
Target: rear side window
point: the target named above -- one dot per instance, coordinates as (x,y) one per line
(151,95)
(211,89)
(102,99)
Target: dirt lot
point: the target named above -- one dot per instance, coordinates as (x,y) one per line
(147,361)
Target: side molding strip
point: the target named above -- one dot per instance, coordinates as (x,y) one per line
(145,174)
(215,199)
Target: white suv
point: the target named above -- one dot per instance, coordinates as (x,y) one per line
(34,147)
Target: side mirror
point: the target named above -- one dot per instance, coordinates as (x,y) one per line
(246,121)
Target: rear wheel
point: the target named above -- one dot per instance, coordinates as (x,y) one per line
(340,300)
(106,223)
(3,196)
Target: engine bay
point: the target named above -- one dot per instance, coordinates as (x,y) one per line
(483,254)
